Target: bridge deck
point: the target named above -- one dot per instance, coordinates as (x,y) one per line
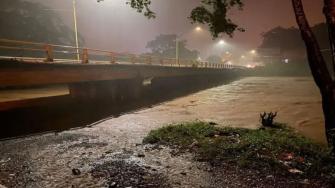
(14,73)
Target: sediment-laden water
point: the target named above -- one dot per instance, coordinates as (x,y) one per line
(48,160)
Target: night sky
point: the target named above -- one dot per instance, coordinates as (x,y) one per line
(113,25)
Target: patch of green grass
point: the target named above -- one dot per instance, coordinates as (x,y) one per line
(279,149)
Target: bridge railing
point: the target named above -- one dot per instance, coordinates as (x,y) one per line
(52,53)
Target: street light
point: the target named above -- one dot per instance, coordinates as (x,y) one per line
(74,4)
(198,29)
(222,42)
(253,52)
(74,10)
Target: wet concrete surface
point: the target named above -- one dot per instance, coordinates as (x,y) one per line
(111,149)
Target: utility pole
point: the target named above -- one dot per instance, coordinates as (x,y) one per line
(177,50)
(76,28)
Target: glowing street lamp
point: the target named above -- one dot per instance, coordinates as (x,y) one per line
(222,42)
(250,66)
(253,52)
(198,29)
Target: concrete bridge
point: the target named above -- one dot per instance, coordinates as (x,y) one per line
(95,73)
(88,79)
(98,87)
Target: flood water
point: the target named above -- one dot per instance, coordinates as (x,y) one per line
(238,103)
(46,160)
(296,99)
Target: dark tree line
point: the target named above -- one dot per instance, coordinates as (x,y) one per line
(278,38)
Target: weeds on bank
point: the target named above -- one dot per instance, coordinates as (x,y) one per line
(280,149)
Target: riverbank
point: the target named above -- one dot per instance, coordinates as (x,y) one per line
(265,157)
(115,143)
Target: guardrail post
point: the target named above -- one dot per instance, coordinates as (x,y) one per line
(149,60)
(49,52)
(85,56)
(132,59)
(113,58)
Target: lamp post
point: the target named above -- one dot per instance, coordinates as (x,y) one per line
(198,29)
(177,51)
(75,27)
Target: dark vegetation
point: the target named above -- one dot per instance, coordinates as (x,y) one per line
(165,46)
(214,59)
(279,68)
(31,21)
(288,39)
(278,152)
(275,48)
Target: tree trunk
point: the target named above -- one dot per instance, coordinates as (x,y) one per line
(318,67)
(329,11)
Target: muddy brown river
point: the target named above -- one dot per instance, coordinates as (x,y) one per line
(46,160)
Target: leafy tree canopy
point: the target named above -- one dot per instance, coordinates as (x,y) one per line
(214,14)
(210,12)
(165,46)
(287,39)
(214,59)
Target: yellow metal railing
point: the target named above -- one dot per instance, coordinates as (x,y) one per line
(51,51)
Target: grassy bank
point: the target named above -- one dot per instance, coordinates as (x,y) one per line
(271,151)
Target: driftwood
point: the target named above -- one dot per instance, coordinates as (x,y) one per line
(267,119)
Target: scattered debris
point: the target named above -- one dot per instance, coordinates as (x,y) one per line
(183,173)
(120,173)
(112,185)
(212,123)
(76,171)
(269,177)
(267,119)
(141,155)
(295,171)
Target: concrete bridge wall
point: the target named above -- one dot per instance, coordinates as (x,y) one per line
(13,74)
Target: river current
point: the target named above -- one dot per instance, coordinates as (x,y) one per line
(296,99)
